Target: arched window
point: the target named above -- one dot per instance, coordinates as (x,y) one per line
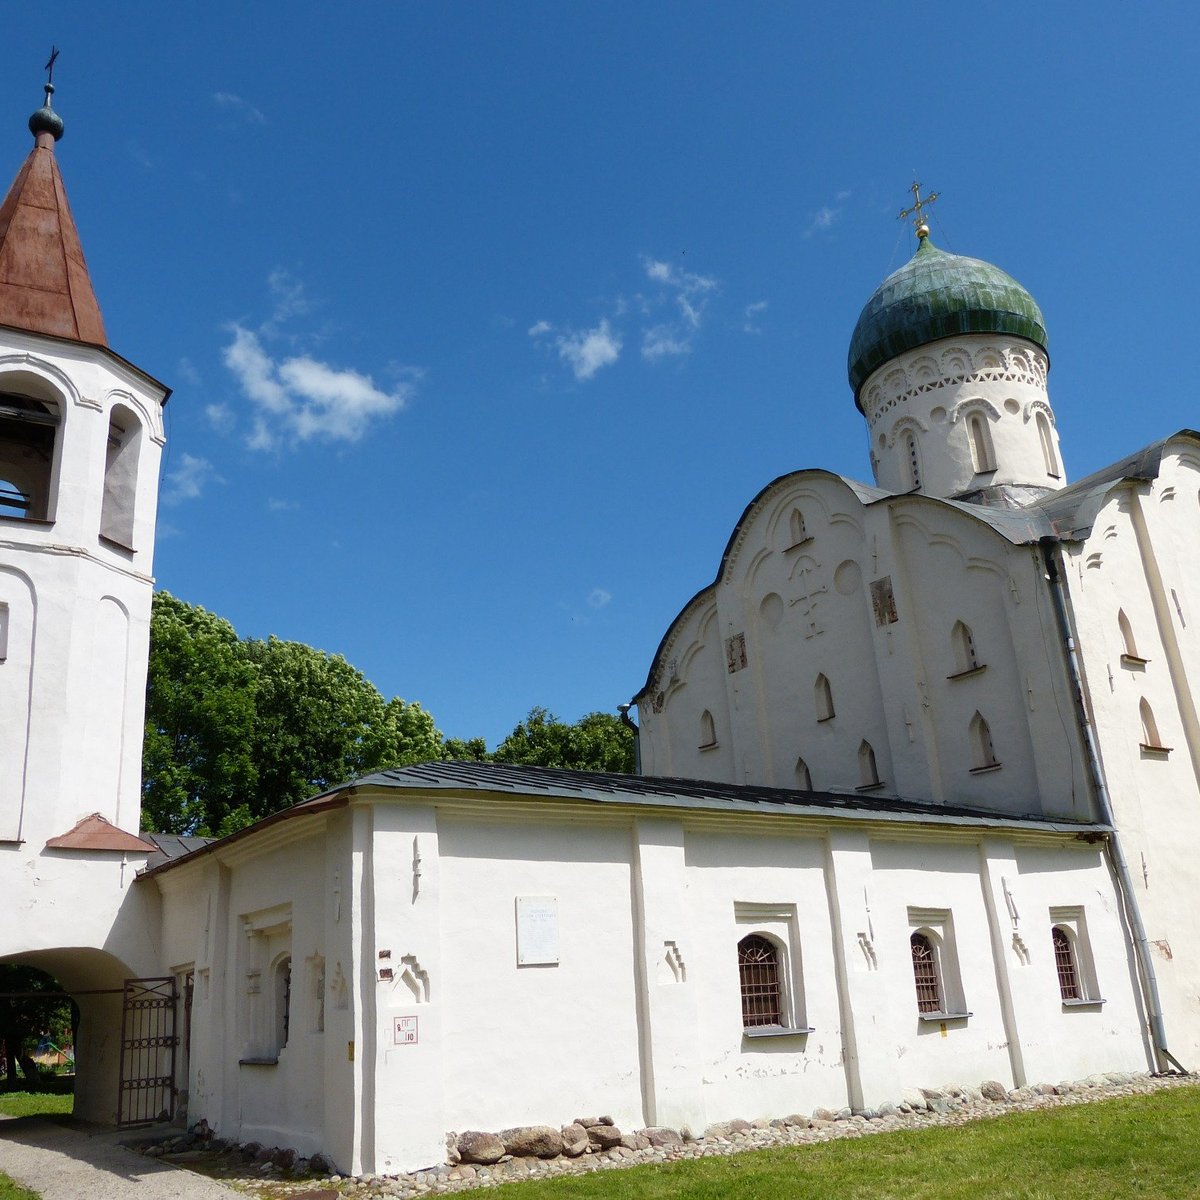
(796,526)
(708,730)
(1127,639)
(283,1001)
(1064,960)
(823,698)
(1046,437)
(803,776)
(982,457)
(983,754)
(962,643)
(120,476)
(1150,737)
(912,460)
(926,975)
(868,772)
(28,429)
(761,981)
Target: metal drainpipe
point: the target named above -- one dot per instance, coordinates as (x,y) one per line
(1141,944)
(628,721)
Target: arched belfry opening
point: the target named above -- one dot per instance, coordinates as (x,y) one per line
(28,436)
(120,476)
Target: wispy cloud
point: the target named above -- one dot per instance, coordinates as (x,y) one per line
(275,504)
(585,351)
(689,294)
(235,103)
(599,598)
(187,371)
(827,216)
(188,480)
(750,315)
(299,399)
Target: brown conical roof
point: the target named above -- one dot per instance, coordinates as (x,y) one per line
(44,282)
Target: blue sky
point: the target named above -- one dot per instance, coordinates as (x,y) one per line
(486,321)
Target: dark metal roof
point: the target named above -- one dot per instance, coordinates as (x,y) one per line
(607,788)
(169,846)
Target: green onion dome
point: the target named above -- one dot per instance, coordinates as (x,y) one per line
(938,295)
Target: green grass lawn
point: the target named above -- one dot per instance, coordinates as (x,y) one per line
(56,1097)
(1140,1146)
(14,1191)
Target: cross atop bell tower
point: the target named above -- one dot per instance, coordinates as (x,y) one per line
(919,222)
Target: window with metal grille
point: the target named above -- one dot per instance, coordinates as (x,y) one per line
(925,974)
(762,989)
(1064,960)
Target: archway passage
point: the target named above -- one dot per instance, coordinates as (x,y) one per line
(124,1031)
(37,1042)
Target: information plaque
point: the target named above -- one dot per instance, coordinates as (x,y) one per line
(537,931)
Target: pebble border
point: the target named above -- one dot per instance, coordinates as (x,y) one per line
(282,1173)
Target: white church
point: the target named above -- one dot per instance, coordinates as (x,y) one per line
(919,797)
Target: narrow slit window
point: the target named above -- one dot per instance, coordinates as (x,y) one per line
(120,477)
(962,643)
(803,776)
(1064,960)
(912,461)
(1150,736)
(983,753)
(761,982)
(868,770)
(823,697)
(982,458)
(797,530)
(1127,639)
(1049,454)
(925,974)
(283,1001)
(3,632)
(708,730)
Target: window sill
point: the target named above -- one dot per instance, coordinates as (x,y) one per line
(258,1062)
(870,787)
(708,745)
(40,522)
(968,672)
(1133,662)
(822,720)
(1083,1003)
(986,471)
(774,1031)
(805,541)
(985,770)
(114,544)
(1155,751)
(944,1016)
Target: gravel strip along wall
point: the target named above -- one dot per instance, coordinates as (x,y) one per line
(595,1144)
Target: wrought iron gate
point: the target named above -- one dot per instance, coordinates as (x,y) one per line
(148,1041)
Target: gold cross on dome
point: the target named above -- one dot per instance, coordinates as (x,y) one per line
(915,212)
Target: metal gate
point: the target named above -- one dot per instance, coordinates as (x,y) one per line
(148,1041)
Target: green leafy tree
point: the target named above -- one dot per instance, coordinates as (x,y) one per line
(596,742)
(198,761)
(30,1010)
(238,729)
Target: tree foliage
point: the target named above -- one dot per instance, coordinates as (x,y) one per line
(237,729)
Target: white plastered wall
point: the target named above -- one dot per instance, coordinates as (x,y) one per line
(1142,557)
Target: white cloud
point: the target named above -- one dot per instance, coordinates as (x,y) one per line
(587,350)
(220,417)
(749,315)
(188,480)
(691,294)
(540,328)
(187,371)
(599,598)
(243,107)
(827,216)
(301,399)
(274,504)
